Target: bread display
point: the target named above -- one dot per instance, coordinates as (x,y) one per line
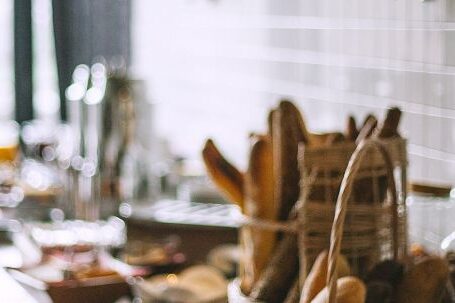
(280,261)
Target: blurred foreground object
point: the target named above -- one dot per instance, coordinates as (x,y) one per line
(105,163)
(9,141)
(197,284)
(76,234)
(10,193)
(200,226)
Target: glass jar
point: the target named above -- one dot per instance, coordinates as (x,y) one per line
(431,210)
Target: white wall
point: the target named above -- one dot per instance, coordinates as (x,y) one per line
(215,67)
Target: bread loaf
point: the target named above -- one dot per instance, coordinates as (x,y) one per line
(425,282)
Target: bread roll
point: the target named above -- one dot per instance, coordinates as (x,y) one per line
(317,278)
(425,282)
(349,290)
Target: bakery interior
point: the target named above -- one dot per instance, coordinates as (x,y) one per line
(212,151)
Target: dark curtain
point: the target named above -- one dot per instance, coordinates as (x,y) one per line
(86,30)
(23,60)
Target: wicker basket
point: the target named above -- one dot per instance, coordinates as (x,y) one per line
(372,177)
(373,224)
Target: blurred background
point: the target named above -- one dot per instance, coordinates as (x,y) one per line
(106,104)
(208,64)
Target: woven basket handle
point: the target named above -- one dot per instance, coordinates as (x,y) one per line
(342,202)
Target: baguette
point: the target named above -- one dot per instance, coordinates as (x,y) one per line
(280,273)
(351,129)
(294,294)
(259,201)
(389,128)
(228,179)
(296,120)
(334,138)
(288,131)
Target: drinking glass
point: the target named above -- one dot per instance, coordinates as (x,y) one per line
(9,142)
(10,193)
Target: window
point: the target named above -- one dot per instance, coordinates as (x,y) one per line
(45,83)
(46,102)
(215,67)
(6,60)
(196,58)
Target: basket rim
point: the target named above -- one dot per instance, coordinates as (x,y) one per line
(338,156)
(351,145)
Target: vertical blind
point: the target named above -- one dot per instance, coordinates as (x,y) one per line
(215,67)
